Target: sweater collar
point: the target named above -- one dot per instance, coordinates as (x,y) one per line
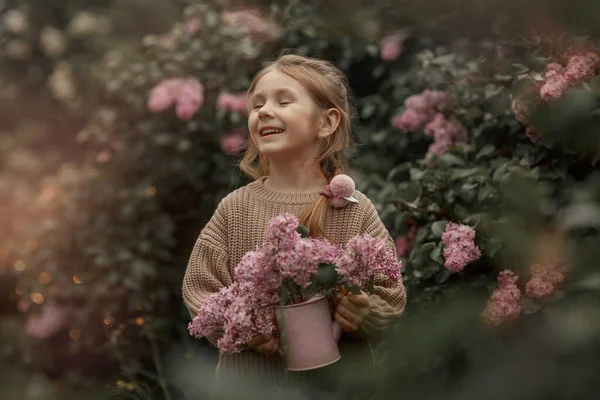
(258,187)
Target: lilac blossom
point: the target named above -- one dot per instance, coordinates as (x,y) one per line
(460,248)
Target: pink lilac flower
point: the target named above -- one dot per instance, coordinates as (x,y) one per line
(189,99)
(420,109)
(252,23)
(460,248)
(545,277)
(365,256)
(537,288)
(437,100)
(233,102)
(186,94)
(505,304)
(410,120)
(258,267)
(239,312)
(403,242)
(163,95)
(282,230)
(582,67)
(233,142)
(391,47)
(554,87)
(43,326)
(445,133)
(441,126)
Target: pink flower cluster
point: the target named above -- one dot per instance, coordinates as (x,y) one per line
(444,132)
(391,46)
(232,102)
(286,255)
(544,279)
(403,242)
(233,142)
(250,21)
(505,303)
(364,257)
(46,324)
(239,312)
(245,309)
(460,248)
(580,66)
(424,109)
(186,94)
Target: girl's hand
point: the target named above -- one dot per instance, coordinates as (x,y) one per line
(266,344)
(352,309)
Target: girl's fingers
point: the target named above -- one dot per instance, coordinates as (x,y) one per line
(275,348)
(258,341)
(361,300)
(344,323)
(268,347)
(353,308)
(348,315)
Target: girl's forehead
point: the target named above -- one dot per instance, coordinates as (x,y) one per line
(277,81)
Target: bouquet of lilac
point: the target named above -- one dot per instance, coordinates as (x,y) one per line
(288,268)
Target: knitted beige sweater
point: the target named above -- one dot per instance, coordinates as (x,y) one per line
(238,225)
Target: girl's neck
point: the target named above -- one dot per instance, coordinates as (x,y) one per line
(290,178)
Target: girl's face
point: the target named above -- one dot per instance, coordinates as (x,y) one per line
(283,118)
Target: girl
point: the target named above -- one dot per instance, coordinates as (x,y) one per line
(300,133)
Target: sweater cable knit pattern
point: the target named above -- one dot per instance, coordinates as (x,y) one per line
(238,225)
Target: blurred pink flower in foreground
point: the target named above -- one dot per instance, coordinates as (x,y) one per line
(233,142)
(253,23)
(544,279)
(46,324)
(233,102)
(403,242)
(505,304)
(460,248)
(187,94)
(391,46)
(581,66)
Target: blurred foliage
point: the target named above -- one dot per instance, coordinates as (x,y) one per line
(103,199)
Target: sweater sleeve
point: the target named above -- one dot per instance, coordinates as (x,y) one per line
(207,270)
(389,298)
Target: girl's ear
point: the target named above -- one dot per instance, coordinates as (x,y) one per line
(329,123)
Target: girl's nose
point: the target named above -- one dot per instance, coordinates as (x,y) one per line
(265,112)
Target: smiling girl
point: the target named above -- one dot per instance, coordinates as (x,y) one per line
(300,135)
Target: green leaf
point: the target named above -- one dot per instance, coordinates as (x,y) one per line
(451,160)
(426,249)
(327,275)
(436,255)
(410,193)
(302,230)
(485,151)
(466,173)
(499,173)
(371,285)
(442,276)
(438,227)
(484,192)
(352,289)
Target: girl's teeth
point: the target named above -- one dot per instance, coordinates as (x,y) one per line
(269,131)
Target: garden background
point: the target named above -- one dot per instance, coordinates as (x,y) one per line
(483,113)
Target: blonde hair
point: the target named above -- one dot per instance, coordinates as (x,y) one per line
(328,87)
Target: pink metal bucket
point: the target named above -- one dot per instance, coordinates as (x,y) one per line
(309,336)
